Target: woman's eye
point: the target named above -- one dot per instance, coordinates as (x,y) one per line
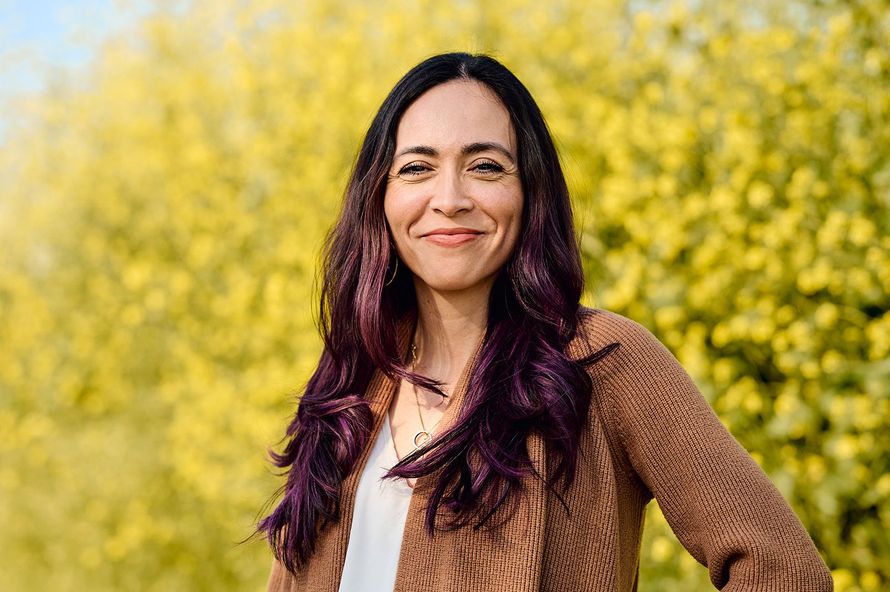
(413,169)
(489,167)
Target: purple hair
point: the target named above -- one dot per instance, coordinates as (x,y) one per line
(523,381)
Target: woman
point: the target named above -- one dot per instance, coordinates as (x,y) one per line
(521,435)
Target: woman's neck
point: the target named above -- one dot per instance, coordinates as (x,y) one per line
(449,328)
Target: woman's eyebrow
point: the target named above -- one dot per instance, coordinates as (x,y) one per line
(467,149)
(476,147)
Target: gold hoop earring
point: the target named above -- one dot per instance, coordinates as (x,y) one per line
(394,271)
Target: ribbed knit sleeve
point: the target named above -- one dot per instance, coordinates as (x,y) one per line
(719,503)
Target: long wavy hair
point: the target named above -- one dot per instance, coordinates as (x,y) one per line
(523,382)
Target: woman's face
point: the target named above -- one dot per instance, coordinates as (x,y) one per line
(453,197)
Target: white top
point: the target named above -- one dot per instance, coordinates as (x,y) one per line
(378,522)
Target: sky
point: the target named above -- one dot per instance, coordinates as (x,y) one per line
(40,35)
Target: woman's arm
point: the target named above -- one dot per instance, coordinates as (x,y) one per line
(717,500)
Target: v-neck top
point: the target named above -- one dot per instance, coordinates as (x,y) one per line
(378,521)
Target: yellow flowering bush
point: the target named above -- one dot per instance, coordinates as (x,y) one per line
(162,214)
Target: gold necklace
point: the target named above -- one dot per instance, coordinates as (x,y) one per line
(422,437)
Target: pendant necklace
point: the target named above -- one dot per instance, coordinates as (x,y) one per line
(422,437)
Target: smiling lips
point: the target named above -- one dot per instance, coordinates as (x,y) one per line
(451,237)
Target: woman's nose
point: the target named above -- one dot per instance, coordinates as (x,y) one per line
(450,195)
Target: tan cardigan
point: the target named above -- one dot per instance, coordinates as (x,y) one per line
(651,432)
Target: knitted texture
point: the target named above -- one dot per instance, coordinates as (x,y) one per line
(651,433)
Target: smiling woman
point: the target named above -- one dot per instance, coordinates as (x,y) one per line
(470,426)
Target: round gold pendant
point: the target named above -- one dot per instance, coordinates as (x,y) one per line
(421,438)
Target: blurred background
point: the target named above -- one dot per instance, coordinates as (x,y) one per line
(168,171)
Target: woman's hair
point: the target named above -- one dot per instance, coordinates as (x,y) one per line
(523,380)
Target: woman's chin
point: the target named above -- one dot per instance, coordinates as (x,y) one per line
(453,283)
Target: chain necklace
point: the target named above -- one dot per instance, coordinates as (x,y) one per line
(422,437)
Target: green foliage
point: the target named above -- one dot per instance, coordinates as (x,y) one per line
(730,169)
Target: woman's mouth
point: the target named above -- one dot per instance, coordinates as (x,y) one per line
(452,237)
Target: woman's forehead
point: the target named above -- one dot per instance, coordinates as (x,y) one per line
(453,115)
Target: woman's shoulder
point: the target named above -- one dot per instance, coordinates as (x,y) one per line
(629,350)
(598,328)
